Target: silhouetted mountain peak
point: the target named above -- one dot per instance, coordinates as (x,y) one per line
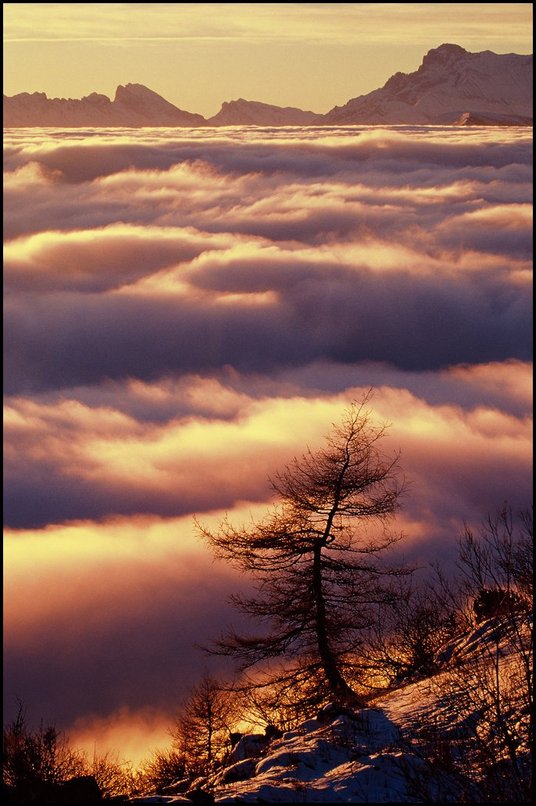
(443,55)
(127,92)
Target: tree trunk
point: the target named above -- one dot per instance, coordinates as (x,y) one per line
(209,735)
(341,691)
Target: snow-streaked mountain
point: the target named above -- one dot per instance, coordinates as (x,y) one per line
(133,106)
(451,86)
(254,113)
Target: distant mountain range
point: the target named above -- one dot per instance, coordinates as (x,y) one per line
(452,86)
(133,105)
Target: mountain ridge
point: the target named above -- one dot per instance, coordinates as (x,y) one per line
(134,105)
(450,83)
(451,86)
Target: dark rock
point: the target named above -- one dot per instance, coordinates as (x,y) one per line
(495,602)
(82,789)
(199,795)
(251,745)
(240,771)
(177,787)
(271,732)
(332,711)
(235,738)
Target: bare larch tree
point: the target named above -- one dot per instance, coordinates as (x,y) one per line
(319,572)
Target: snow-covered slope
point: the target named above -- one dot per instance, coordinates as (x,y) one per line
(451,86)
(134,105)
(347,758)
(254,113)
(397,750)
(357,757)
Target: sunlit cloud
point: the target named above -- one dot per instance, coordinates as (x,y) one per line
(166,259)
(183,465)
(138,732)
(99,259)
(91,608)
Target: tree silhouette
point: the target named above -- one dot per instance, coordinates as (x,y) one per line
(319,578)
(493,679)
(203,727)
(40,766)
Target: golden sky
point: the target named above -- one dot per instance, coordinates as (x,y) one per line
(197,55)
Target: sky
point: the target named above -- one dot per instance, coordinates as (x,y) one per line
(198,55)
(186,311)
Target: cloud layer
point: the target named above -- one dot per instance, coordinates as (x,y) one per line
(184,314)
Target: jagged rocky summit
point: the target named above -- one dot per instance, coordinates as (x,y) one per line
(452,86)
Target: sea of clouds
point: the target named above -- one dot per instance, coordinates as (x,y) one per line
(185,311)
